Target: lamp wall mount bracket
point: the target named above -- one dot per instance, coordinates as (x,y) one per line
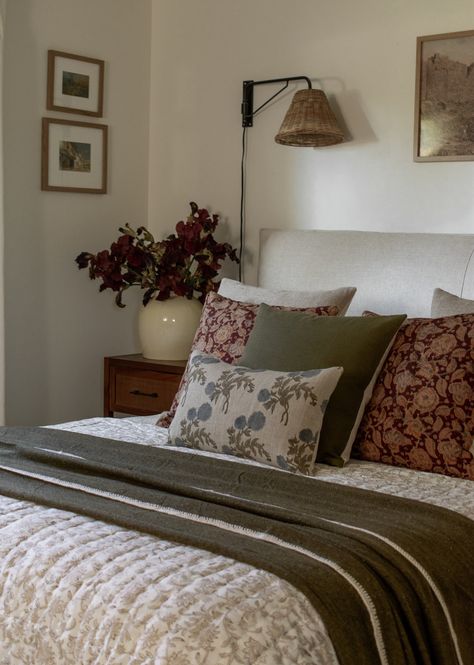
(247,109)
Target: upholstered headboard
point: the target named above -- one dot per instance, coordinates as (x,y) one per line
(393,272)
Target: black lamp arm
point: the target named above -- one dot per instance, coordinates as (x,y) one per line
(247,95)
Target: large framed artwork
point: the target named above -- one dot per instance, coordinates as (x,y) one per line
(444,98)
(74,156)
(75,84)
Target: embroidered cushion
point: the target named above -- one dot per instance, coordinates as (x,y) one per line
(421,415)
(341,297)
(290,341)
(223,331)
(270,417)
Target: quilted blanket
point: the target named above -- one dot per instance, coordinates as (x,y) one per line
(429,604)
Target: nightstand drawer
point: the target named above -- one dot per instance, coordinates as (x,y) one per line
(144,391)
(135,385)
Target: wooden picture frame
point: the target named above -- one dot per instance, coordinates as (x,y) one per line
(73,156)
(444,97)
(75,84)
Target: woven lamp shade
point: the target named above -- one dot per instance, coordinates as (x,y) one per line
(309,121)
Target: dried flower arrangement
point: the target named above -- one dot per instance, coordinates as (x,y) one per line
(184,264)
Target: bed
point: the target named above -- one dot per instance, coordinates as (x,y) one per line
(78,589)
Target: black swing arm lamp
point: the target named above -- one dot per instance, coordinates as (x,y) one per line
(309,122)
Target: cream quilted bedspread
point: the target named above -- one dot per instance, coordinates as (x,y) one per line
(75,591)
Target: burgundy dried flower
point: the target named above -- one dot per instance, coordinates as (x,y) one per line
(184,264)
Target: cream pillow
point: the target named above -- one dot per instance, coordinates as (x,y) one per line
(256,295)
(447,304)
(267,416)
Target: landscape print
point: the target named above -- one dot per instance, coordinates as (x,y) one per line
(446,97)
(76,85)
(74,156)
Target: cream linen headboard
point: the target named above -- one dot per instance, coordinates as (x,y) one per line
(393,272)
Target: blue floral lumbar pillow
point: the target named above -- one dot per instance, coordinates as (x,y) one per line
(268,416)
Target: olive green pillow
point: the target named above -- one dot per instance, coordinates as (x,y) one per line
(294,341)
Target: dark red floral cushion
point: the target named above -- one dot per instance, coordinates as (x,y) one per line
(421,415)
(223,332)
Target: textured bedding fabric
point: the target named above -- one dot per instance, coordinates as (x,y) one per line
(75,590)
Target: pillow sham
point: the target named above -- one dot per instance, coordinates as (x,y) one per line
(223,331)
(294,341)
(269,417)
(447,304)
(421,415)
(342,297)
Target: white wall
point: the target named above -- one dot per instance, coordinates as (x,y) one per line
(362,54)
(58,327)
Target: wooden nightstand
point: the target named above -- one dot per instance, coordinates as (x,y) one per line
(138,386)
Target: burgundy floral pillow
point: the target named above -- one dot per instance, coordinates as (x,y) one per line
(223,332)
(421,415)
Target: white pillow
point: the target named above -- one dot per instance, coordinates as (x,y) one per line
(256,295)
(447,304)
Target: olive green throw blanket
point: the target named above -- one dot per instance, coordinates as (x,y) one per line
(392,579)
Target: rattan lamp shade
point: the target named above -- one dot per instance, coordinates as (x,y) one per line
(309,121)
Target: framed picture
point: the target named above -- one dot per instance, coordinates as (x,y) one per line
(75,84)
(73,157)
(444,98)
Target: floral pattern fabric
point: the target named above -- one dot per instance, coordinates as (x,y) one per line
(271,417)
(77,591)
(421,415)
(96,594)
(223,331)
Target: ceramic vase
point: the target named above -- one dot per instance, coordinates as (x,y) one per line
(166,328)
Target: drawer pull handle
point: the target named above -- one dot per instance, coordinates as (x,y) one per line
(139,392)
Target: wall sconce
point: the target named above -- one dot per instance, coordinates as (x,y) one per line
(309,122)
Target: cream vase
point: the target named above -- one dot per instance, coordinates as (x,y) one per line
(166,328)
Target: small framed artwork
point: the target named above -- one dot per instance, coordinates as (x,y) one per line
(444,98)
(75,84)
(73,157)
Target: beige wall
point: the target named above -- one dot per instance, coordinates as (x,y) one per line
(58,328)
(363,55)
